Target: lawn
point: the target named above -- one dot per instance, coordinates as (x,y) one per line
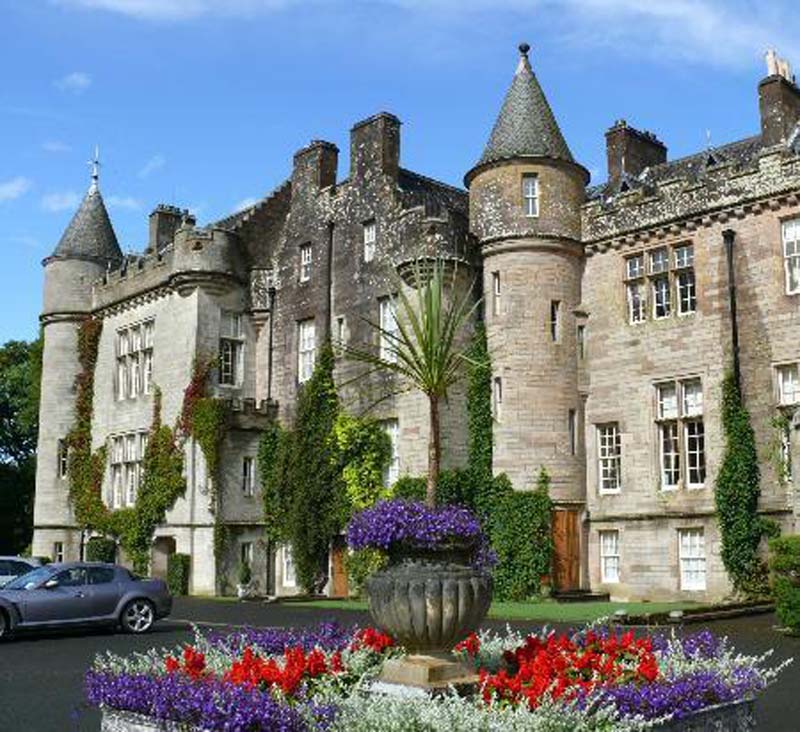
(544,611)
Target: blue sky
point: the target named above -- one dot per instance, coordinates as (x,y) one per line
(202,103)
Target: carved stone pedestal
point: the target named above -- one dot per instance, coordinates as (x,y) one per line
(427,674)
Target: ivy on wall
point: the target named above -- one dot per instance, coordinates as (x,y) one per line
(479,407)
(737,490)
(274,450)
(162,481)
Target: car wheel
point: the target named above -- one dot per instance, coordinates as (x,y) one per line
(5,628)
(138,616)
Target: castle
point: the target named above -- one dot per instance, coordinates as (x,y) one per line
(612,314)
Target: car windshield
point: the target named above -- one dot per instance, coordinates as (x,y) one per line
(29,580)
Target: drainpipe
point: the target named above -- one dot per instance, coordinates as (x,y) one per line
(728,237)
(329,284)
(271,295)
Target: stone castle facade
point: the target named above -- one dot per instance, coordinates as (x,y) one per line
(607,308)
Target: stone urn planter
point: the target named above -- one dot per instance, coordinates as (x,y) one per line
(429,599)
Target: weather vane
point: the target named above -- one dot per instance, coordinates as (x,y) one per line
(95,166)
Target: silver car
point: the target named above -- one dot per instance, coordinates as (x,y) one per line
(81,593)
(13,567)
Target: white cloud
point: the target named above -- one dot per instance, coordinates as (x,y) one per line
(245,203)
(77,82)
(14,188)
(60,201)
(178,9)
(125,202)
(151,166)
(55,146)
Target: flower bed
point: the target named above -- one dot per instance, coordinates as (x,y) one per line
(318,679)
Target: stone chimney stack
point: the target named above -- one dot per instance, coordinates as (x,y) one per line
(375,146)
(778,101)
(315,166)
(629,151)
(164,222)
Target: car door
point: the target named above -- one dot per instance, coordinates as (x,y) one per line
(6,574)
(66,602)
(103,591)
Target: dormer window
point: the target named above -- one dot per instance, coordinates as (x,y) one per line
(305,262)
(370,238)
(530,195)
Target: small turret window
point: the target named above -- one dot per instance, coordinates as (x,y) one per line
(231,349)
(530,195)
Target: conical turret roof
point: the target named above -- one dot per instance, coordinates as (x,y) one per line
(526,126)
(90,234)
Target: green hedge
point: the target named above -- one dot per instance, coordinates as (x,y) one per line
(101,549)
(785,567)
(178,573)
(521,537)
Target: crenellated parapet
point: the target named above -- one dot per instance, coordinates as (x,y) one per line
(713,188)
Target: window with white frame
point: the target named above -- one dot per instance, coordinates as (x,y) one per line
(248,476)
(134,360)
(389,331)
(370,240)
(581,338)
(246,554)
(495,293)
(127,456)
(62,459)
(497,397)
(307,349)
(58,551)
(692,557)
(788,384)
(609,556)
(791,255)
(555,318)
(392,471)
(681,433)
(231,349)
(530,195)
(306,256)
(289,574)
(572,428)
(684,279)
(609,452)
(662,279)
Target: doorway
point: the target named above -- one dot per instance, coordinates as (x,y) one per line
(566,550)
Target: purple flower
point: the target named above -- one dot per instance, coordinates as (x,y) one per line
(212,705)
(329,636)
(412,523)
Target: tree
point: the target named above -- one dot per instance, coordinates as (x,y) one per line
(20,374)
(424,348)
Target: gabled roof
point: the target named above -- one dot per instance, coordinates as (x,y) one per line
(90,234)
(526,126)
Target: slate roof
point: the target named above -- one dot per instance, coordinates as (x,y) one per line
(740,154)
(90,234)
(526,126)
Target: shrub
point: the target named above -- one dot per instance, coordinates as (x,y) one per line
(362,563)
(455,488)
(101,549)
(178,573)
(737,490)
(785,566)
(245,574)
(521,538)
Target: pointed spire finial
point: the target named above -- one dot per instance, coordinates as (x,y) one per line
(95,165)
(524,48)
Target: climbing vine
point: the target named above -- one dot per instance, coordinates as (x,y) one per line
(273,464)
(737,491)
(781,461)
(480,423)
(162,481)
(363,451)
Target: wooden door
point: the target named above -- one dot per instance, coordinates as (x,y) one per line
(566,550)
(339,573)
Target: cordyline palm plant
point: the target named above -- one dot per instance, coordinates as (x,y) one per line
(425,348)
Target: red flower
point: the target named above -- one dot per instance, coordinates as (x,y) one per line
(372,639)
(172,664)
(470,645)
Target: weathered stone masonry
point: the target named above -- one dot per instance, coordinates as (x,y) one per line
(551,256)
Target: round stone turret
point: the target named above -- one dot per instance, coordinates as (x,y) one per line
(526,193)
